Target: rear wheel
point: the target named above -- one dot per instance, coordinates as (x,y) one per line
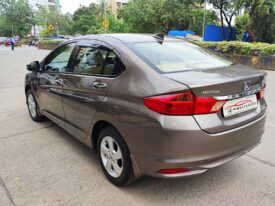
(33,107)
(114,157)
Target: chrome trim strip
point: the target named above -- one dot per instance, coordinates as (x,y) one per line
(235,96)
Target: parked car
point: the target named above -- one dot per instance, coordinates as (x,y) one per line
(149,105)
(7,42)
(3,40)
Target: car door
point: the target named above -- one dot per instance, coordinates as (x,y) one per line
(50,82)
(94,69)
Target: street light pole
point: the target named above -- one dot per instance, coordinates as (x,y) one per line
(204,20)
(105,13)
(12,30)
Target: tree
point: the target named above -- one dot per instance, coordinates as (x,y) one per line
(142,16)
(49,15)
(86,20)
(260,20)
(116,25)
(161,15)
(197,20)
(242,24)
(227,9)
(5,28)
(18,14)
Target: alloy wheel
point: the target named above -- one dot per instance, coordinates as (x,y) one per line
(111,156)
(32,105)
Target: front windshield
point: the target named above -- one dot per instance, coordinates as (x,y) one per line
(178,56)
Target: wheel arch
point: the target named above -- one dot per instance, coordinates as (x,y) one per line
(97,128)
(27,88)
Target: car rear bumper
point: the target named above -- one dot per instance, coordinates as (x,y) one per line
(155,148)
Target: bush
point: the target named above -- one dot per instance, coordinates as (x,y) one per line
(241,48)
(51,41)
(49,44)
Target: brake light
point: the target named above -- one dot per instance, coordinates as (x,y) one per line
(185,103)
(173,104)
(206,105)
(260,94)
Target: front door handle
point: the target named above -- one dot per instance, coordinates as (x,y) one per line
(59,81)
(99,85)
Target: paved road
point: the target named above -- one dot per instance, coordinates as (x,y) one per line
(40,164)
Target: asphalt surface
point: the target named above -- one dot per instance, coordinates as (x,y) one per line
(41,164)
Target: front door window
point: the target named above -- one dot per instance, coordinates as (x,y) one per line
(58,61)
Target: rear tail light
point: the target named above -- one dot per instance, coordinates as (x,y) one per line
(185,103)
(260,94)
(174,171)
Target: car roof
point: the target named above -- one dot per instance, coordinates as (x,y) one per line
(127,38)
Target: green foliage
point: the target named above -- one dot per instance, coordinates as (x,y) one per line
(258,17)
(241,24)
(197,20)
(5,27)
(263,21)
(116,25)
(50,41)
(227,9)
(241,48)
(46,16)
(47,33)
(152,16)
(86,20)
(18,15)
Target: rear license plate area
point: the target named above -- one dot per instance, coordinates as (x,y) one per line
(237,106)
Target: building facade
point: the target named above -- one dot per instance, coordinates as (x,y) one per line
(115,5)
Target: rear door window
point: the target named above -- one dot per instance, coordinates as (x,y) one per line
(90,60)
(98,61)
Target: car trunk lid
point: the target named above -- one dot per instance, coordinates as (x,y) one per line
(225,83)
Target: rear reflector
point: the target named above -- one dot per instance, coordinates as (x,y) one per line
(260,94)
(174,171)
(185,103)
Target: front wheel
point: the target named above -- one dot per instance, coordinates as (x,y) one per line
(114,157)
(33,107)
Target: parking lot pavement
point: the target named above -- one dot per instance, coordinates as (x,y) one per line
(41,164)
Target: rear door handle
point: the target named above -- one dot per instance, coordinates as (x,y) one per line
(99,85)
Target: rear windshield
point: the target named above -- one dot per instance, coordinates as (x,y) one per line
(178,56)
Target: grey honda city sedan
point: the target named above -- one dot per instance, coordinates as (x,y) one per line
(149,105)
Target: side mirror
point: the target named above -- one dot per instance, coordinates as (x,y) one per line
(34,66)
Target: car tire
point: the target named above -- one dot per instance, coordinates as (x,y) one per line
(114,157)
(33,107)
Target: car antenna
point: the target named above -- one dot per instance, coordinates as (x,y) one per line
(159,37)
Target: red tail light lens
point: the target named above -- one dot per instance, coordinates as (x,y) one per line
(173,104)
(183,104)
(206,105)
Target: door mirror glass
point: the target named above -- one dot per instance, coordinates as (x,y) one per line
(34,66)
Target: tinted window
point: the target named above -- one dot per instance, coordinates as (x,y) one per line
(97,61)
(178,56)
(113,66)
(90,60)
(58,61)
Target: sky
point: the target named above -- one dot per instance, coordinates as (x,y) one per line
(72,5)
